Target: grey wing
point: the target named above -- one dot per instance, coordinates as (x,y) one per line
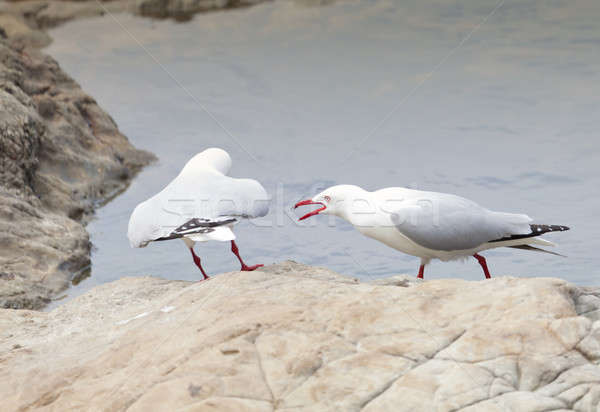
(446,222)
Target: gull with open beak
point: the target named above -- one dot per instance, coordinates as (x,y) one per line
(430,225)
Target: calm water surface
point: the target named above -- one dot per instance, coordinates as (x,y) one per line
(371,93)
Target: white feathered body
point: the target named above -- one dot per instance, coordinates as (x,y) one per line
(203,191)
(432,225)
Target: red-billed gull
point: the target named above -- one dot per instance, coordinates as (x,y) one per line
(430,225)
(202,203)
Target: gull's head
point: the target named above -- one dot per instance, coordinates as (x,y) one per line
(332,201)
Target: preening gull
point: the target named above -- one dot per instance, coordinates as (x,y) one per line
(202,203)
(430,225)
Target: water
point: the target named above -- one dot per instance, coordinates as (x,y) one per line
(503,110)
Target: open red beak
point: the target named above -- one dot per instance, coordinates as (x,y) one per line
(314,212)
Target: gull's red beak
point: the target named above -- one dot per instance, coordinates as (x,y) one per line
(310,202)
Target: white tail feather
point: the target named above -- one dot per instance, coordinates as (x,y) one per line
(220,233)
(540,241)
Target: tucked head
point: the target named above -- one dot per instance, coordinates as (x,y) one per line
(332,200)
(213,157)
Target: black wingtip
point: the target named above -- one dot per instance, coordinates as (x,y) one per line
(536,230)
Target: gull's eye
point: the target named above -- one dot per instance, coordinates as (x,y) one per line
(327,199)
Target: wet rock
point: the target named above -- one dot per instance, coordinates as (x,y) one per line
(43,14)
(295,337)
(59,153)
(183,10)
(24,21)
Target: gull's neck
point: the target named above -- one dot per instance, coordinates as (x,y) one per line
(358,206)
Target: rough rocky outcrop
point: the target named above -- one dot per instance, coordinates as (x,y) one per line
(184,9)
(25,20)
(298,338)
(60,154)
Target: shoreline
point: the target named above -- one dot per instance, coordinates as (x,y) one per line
(63,155)
(27,21)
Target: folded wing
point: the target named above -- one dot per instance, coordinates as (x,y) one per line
(446,222)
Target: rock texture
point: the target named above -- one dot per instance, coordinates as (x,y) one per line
(25,20)
(298,338)
(184,9)
(60,154)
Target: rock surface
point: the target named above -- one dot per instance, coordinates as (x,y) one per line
(297,338)
(28,18)
(60,154)
(184,9)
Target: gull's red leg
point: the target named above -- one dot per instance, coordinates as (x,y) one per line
(236,252)
(421,271)
(483,264)
(197,262)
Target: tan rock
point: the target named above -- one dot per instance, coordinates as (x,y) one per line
(60,155)
(298,338)
(19,32)
(185,9)
(26,19)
